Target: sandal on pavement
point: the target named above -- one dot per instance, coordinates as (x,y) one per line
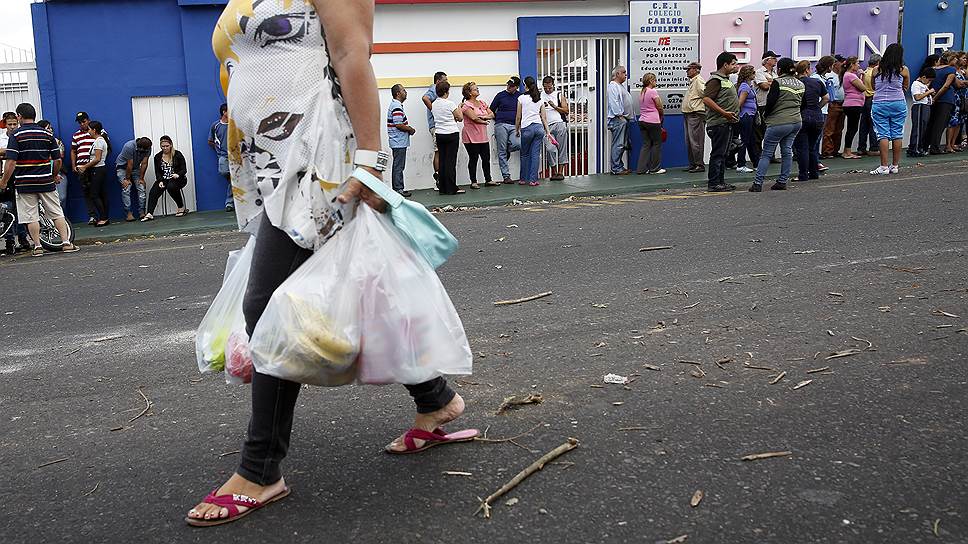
(147,217)
(231,502)
(38,252)
(431,439)
(69,248)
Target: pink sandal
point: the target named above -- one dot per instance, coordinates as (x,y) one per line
(231,502)
(431,439)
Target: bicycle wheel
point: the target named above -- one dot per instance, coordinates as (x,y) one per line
(50,237)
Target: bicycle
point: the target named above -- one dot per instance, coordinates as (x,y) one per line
(50,238)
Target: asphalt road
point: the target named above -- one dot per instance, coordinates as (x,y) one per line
(773,280)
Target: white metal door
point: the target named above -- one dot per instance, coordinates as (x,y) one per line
(582,66)
(157,116)
(18,79)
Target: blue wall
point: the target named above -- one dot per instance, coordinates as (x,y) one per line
(922,17)
(131,49)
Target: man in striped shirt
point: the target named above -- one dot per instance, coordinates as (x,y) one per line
(33,159)
(81,144)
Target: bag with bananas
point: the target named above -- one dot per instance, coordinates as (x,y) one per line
(309,332)
(224,317)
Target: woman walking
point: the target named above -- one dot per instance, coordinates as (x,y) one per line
(532,126)
(747,120)
(854,89)
(811,113)
(340,111)
(476,118)
(447,131)
(783,122)
(171,176)
(889,111)
(650,125)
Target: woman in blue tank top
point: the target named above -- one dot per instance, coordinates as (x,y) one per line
(889,109)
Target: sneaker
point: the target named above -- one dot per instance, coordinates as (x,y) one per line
(779,186)
(821,167)
(756,188)
(91,221)
(719,189)
(745,170)
(406,194)
(881,171)
(508,181)
(659,171)
(895,168)
(230,208)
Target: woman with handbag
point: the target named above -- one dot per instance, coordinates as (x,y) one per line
(272,50)
(650,125)
(171,176)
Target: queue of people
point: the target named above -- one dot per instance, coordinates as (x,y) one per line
(532,120)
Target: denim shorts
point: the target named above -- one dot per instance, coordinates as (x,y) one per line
(889,119)
(223,166)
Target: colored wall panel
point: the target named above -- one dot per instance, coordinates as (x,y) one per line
(856,21)
(741,33)
(812,27)
(924,24)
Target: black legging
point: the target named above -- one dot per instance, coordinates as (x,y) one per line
(174,190)
(482,151)
(449,145)
(96,192)
(275,257)
(853,114)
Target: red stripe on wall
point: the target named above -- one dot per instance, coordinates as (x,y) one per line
(445,47)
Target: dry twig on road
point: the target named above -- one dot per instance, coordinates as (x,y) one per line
(147,405)
(655,248)
(767,455)
(519,400)
(525,299)
(485,506)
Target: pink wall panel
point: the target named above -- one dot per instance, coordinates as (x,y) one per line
(717,29)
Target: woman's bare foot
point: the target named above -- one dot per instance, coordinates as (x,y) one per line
(429,422)
(239,486)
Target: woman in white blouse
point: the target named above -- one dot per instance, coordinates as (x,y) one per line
(447,115)
(532,126)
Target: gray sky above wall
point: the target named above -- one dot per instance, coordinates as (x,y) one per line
(20,32)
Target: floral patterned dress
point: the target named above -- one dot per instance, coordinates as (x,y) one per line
(290,139)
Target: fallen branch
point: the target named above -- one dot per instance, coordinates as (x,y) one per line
(501,440)
(226,454)
(692,305)
(845,353)
(485,506)
(147,406)
(804,383)
(767,455)
(47,464)
(778,377)
(533,398)
(754,367)
(520,300)
(814,371)
(655,248)
(91,492)
(689,362)
(457,473)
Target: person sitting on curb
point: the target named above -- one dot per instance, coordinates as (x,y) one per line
(171,172)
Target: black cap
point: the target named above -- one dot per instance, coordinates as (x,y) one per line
(839,58)
(82,116)
(769,54)
(515,80)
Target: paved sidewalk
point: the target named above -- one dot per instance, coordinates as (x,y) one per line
(594,185)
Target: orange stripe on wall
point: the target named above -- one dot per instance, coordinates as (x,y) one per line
(445,47)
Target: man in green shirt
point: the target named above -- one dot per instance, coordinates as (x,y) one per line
(722,115)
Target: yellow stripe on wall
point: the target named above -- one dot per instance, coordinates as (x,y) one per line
(455,81)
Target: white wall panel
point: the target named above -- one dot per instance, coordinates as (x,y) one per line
(157,116)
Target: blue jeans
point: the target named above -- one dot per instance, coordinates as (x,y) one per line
(532,136)
(784,136)
(507,142)
(746,134)
(399,165)
(126,191)
(619,128)
(223,170)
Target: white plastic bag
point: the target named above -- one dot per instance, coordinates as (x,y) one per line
(224,318)
(411,332)
(365,306)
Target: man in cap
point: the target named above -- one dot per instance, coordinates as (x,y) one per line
(763,80)
(505,108)
(694,118)
(81,144)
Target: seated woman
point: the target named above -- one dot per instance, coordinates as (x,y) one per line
(171,175)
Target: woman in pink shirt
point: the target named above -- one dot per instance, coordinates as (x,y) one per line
(476,118)
(854,90)
(650,125)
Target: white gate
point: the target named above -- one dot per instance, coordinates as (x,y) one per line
(582,67)
(18,79)
(157,116)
